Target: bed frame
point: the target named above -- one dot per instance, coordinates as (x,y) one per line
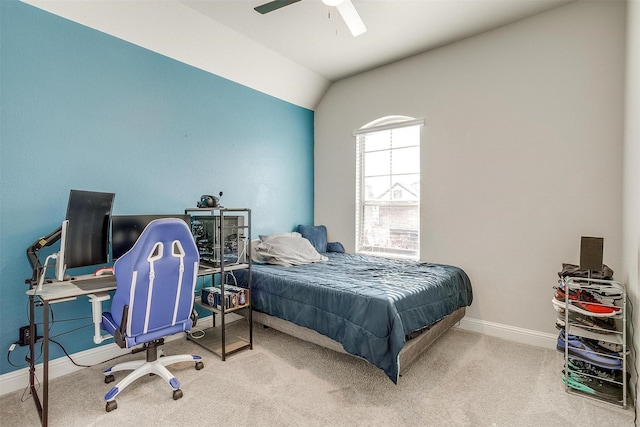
(409,353)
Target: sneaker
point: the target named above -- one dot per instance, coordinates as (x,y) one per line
(560,304)
(617,348)
(587,368)
(599,290)
(595,324)
(582,350)
(586,300)
(602,294)
(602,389)
(585,303)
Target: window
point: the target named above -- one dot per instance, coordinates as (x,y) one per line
(388,187)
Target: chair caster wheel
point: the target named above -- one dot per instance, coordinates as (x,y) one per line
(199,365)
(177,394)
(111,405)
(109,379)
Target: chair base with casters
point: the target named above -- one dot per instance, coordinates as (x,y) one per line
(140,368)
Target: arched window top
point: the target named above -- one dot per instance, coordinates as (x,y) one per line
(388,122)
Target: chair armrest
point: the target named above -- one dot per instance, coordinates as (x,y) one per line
(96,310)
(120,335)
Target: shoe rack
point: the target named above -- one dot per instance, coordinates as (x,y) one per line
(585,339)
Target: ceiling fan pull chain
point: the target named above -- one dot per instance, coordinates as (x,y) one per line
(345,9)
(336,18)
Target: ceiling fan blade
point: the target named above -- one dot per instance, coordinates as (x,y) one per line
(351,18)
(273,5)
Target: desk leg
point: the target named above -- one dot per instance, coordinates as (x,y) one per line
(32,356)
(45,364)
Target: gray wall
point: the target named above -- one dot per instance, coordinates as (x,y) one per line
(521,153)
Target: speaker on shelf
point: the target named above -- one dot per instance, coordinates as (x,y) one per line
(591,249)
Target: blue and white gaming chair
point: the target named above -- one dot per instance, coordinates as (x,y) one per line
(153,299)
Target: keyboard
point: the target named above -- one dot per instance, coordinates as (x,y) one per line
(96,283)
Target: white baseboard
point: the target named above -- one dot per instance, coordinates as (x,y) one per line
(511,333)
(18,380)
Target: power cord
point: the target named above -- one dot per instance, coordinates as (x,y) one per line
(196,333)
(13,347)
(27,391)
(133,351)
(233,276)
(64,350)
(69,356)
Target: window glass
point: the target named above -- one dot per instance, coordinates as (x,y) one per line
(388,190)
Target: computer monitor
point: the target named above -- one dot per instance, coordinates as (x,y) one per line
(84,240)
(125,230)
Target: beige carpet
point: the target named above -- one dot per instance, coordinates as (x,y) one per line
(464,379)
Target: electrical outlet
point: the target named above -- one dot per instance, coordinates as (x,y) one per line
(25,338)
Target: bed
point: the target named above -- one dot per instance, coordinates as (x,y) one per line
(386,311)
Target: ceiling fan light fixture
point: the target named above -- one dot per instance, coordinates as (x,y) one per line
(332,2)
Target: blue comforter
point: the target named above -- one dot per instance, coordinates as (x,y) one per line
(366,303)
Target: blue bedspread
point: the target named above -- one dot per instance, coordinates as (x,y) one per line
(366,303)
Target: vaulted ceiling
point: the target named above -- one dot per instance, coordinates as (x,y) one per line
(296,52)
(315,36)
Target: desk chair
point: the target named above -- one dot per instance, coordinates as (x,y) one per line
(153,299)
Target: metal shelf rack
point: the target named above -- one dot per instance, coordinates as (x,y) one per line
(617,337)
(223,237)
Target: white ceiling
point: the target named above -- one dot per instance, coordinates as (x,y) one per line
(293,53)
(315,36)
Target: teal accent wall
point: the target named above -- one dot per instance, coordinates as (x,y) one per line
(80,109)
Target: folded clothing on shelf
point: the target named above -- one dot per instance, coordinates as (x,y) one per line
(572,270)
(584,350)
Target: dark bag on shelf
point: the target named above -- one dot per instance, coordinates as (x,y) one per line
(572,270)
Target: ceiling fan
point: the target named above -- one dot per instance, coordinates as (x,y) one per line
(345,7)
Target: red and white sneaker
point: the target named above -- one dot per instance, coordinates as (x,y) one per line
(583,302)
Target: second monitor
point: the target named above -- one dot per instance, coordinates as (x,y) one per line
(125,230)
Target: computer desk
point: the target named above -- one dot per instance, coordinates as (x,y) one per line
(57,292)
(53,293)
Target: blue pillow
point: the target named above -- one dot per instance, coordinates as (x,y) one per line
(316,234)
(335,247)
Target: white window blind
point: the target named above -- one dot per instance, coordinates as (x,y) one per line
(388,189)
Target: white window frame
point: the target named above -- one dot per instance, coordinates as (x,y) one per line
(382,124)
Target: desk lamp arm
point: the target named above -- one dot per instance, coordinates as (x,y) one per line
(32,254)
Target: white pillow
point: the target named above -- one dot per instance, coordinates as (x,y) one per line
(255,257)
(287,250)
(267,237)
